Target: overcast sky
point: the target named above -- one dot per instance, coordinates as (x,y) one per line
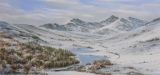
(61,11)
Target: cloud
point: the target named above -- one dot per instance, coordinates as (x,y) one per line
(61,11)
(63,1)
(115,0)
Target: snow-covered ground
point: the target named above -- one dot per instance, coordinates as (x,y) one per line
(68,73)
(138,48)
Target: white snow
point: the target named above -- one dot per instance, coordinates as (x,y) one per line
(68,73)
(129,48)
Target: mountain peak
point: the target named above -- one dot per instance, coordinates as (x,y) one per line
(113,16)
(77,20)
(111,19)
(54,26)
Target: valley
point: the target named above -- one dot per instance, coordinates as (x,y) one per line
(130,45)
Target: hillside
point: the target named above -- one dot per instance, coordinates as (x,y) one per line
(30,57)
(125,42)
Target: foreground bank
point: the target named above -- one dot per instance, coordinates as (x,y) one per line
(30,57)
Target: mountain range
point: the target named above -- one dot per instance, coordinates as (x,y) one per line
(136,41)
(111,24)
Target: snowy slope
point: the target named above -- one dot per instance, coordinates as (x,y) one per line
(69,73)
(118,25)
(54,26)
(136,42)
(139,48)
(12,31)
(141,34)
(110,26)
(76,25)
(109,20)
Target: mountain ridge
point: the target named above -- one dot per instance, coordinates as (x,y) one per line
(76,24)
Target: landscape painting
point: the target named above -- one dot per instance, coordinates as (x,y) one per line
(79,37)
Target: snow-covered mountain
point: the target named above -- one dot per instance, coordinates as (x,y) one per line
(136,42)
(54,26)
(110,20)
(143,33)
(74,25)
(155,21)
(79,25)
(111,25)
(117,25)
(9,29)
(139,47)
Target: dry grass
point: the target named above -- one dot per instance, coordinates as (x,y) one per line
(15,56)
